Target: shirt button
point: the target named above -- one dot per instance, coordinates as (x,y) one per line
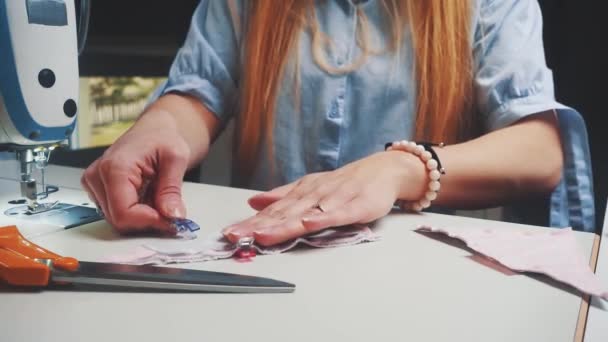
(340,54)
(336,104)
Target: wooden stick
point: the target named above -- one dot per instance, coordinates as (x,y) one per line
(584,310)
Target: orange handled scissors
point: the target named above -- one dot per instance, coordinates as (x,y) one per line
(23,263)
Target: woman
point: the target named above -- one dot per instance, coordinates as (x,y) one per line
(318,87)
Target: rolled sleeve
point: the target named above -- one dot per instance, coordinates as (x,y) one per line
(207,64)
(511,77)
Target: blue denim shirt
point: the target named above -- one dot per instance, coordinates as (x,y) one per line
(347,117)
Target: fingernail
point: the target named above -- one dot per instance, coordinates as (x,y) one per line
(310,218)
(234,236)
(171,230)
(174,210)
(263,231)
(179,213)
(256,196)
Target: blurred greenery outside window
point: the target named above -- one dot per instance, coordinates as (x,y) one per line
(109,106)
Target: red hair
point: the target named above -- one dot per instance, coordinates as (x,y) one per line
(443,58)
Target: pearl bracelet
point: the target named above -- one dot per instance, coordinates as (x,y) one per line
(432,165)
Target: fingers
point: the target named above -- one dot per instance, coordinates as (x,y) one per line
(244,228)
(328,195)
(356,211)
(261,201)
(338,198)
(115,189)
(349,213)
(92,183)
(168,197)
(124,211)
(286,230)
(291,191)
(271,232)
(306,193)
(262,220)
(116,181)
(275,205)
(273,226)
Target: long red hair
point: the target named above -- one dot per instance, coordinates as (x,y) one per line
(440,31)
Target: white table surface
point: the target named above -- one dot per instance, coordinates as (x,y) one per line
(597,320)
(406,287)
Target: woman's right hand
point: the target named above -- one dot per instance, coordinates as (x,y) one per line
(137,182)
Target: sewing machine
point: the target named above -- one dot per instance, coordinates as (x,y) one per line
(39,84)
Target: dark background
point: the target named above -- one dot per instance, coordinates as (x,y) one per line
(134,38)
(140,38)
(574,33)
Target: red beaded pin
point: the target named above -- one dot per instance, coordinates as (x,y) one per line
(245,250)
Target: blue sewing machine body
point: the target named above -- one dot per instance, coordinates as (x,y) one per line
(40,41)
(39,77)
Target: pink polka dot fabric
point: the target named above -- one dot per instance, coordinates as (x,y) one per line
(552,252)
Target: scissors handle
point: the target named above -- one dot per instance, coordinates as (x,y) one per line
(23,263)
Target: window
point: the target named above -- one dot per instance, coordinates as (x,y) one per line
(109,106)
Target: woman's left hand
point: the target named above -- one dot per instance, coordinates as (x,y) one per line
(360,192)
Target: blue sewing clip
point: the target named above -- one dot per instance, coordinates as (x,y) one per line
(185,228)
